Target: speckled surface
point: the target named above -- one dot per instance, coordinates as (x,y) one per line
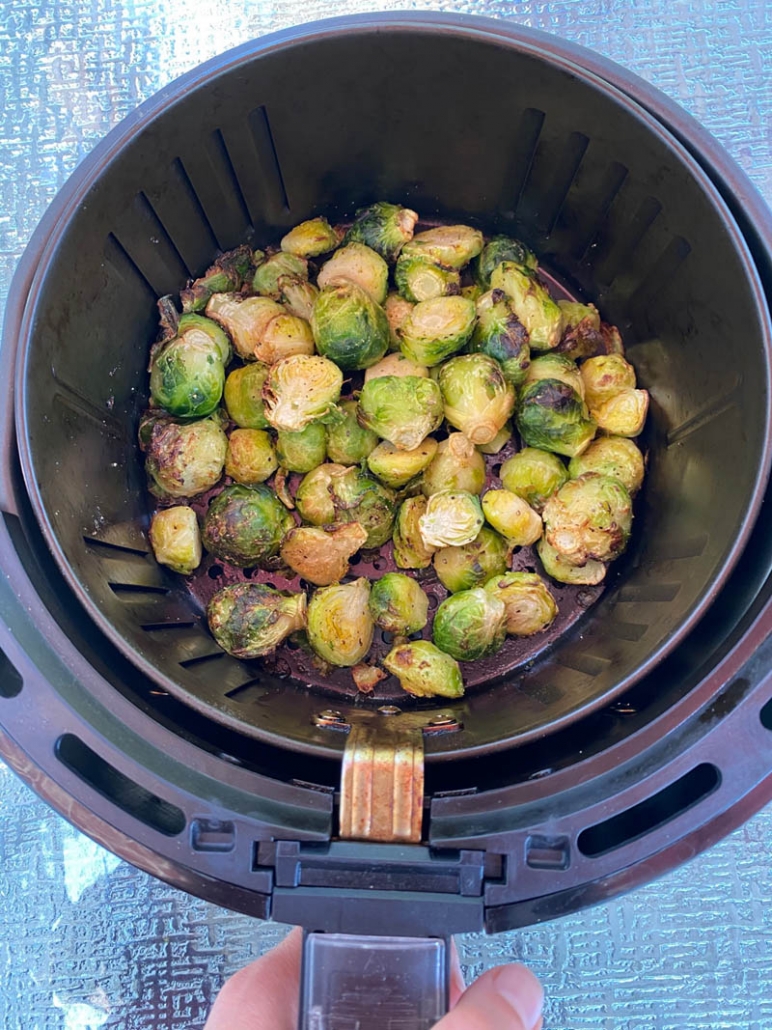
(87,941)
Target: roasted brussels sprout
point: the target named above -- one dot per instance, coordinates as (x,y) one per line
(461,568)
(284,336)
(556,366)
(500,334)
(424,671)
(552,417)
(199,329)
(530,606)
(469,625)
(321,556)
(437,328)
(589,518)
(226,275)
(512,516)
(532,303)
(298,296)
(299,390)
(452,518)
(395,365)
(534,475)
(304,450)
(249,620)
(384,227)
(312,238)
(457,465)
(401,409)
(499,441)
(183,460)
(348,443)
(498,249)
(187,376)
(267,279)
(604,377)
(358,264)
(623,414)
(478,399)
(340,626)
(453,246)
(349,327)
(244,395)
(334,493)
(582,336)
(314,495)
(574,314)
(613,456)
(398,604)
(251,458)
(244,525)
(176,539)
(419,278)
(395,468)
(397,309)
(245,319)
(410,551)
(559,569)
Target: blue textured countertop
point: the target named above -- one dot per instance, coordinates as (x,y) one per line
(87,941)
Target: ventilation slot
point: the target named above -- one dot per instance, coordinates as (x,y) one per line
(526,140)
(191,663)
(766,715)
(593,210)
(10,680)
(269,159)
(660,277)
(649,815)
(179,211)
(212,179)
(618,250)
(137,590)
(114,785)
(104,547)
(565,173)
(145,241)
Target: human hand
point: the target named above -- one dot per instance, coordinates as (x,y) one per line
(264,996)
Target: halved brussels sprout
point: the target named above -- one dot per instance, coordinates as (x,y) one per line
(395,468)
(469,625)
(299,390)
(604,377)
(384,227)
(582,336)
(424,671)
(183,460)
(187,376)
(401,409)
(312,238)
(226,275)
(244,525)
(199,328)
(589,518)
(500,334)
(243,395)
(358,264)
(176,539)
(395,365)
(244,318)
(512,516)
(623,414)
(398,604)
(340,626)
(348,443)
(453,246)
(397,309)
(419,278)
(334,493)
(574,314)
(499,441)
(349,327)
(267,279)
(478,399)
(304,450)
(321,556)
(461,568)
(314,496)
(457,465)
(298,296)
(498,249)
(249,620)
(251,458)
(532,303)
(556,366)
(558,568)
(534,475)
(551,416)
(614,456)
(530,606)
(472,292)
(437,328)
(284,336)
(452,518)
(410,551)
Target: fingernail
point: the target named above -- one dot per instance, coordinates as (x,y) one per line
(522,991)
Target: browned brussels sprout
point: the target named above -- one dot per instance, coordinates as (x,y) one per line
(249,620)
(244,525)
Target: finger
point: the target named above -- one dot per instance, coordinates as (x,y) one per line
(506,998)
(263,995)
(457,984)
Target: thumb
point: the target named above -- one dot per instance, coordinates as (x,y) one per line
(506,998)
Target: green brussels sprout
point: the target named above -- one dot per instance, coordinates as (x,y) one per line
(453,246)
(348,443)
(267,279)
(384,227)
(244,318)
(530,606)
(298,296)
(410,551)
(552,417)
(401,409)
(574,314)
(398,604)
(314,495)
(243,395)
(183,460)
(559,569)
(613,456)
(604,377)
(499,441)
(187,376)
(340,626)
(452,518)
(512,516)
(457,465)
(556,366)
(301,389)
(303,450)
(321,556)
(461,568)
(419,278)
(284,336)
(589,518)
(623,414)
(200,329)
(478,399)
(437,328)
(249,620)
(312,238)
(395,468)
(500,334)
(397,309)
(395,365)
(532,304)
(349,327)
(226,275)
(244,525)
(251,458)
(358,264)
(176,539)
(582,336)
(534,475)
(498,249)
(472,292)
(469,625)
(424,671)
(334,493)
